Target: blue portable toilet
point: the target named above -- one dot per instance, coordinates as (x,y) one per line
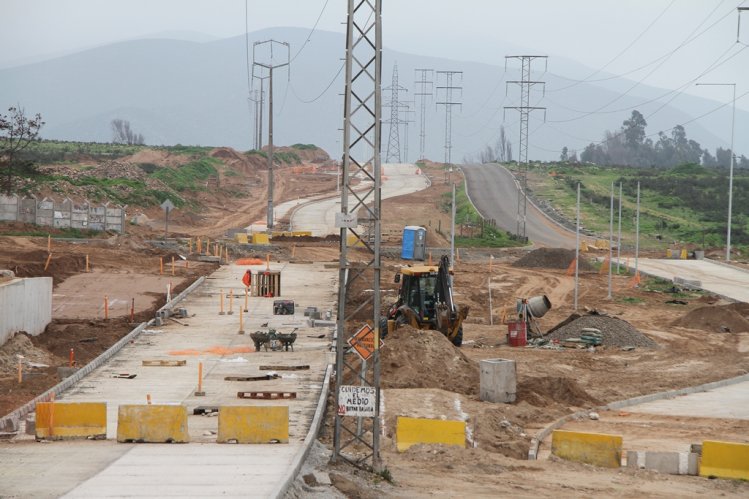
(414,243)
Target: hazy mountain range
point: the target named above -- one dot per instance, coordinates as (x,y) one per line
(196,93)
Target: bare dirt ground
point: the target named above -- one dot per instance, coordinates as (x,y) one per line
(424,375)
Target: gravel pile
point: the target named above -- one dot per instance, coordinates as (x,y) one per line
(614,332)
(550,258)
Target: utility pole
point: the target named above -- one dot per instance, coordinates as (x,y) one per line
(407,118)
(356,438)
(425,83)
(394,149)
(448,88)
(525,109)
(270,66)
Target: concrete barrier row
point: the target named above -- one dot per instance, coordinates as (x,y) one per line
(718,459)
(543,434)
(159,423)
(10,423)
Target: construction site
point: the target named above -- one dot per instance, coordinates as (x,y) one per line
(585,371)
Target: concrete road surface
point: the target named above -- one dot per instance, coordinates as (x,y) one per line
(493,191)
(201,468)
(728,402)
(720,279)
(319,216)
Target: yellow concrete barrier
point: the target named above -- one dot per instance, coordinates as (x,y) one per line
(253,425)
(260,238)
(725,460)
(241,237)
(60,420)
(152,423)
(301,233)
(412,431)
(597,449)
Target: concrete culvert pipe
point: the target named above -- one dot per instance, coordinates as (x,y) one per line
(539,305)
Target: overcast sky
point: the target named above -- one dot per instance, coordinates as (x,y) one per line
(618,35)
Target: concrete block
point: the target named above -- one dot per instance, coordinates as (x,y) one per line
(253,425)
(498,381)
(260,238)
(31,424)
(597,449)
(152,423)
(672,463)
(412,431)
(59,420)
(725,460)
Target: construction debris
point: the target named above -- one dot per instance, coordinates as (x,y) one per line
(598,330)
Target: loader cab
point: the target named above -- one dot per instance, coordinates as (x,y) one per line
(419,291)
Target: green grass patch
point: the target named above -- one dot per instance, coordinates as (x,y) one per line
(190,176)
(304,146)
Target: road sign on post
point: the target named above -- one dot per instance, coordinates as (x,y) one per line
(167,206)
(363,342)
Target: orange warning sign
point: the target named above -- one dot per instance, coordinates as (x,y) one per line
(247,278)
(363,342)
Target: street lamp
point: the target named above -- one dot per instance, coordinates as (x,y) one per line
(730,170)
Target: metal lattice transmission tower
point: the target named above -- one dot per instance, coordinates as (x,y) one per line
(393,154)
(525,109)
(357,437)
(448,93)
(425,89)
(269,64)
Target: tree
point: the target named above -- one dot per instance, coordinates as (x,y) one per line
(634,130)
(503,150)
(16,133)
(123,134)
(564,156)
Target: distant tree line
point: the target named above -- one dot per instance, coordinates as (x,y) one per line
(122,133)
(631,147)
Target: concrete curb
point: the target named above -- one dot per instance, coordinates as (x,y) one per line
(541,436)
(314,428)
(11,421)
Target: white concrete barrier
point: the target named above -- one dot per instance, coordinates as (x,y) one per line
(25,305)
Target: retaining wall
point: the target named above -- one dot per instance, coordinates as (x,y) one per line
(25,305)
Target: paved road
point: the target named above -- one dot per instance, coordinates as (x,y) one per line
(727,402)
(716,278)
(202,467)
(319,216)
(493,191)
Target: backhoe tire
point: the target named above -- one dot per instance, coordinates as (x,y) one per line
(458,340)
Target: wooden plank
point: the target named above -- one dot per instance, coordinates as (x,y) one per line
(252,378)
(284,368)
(266,395)
(164,363)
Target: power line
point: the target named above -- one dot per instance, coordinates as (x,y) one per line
(623,51)
(661,59)
(314,27)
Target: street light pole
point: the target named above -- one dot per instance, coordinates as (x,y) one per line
(730,169)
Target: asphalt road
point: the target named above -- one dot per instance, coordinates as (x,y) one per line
(493,191)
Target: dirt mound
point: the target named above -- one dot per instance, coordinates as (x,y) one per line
(61,266)
(226,153)
(21,344)
(544,391)
(718,319)
(614,332)
(414,358)
(550,258)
